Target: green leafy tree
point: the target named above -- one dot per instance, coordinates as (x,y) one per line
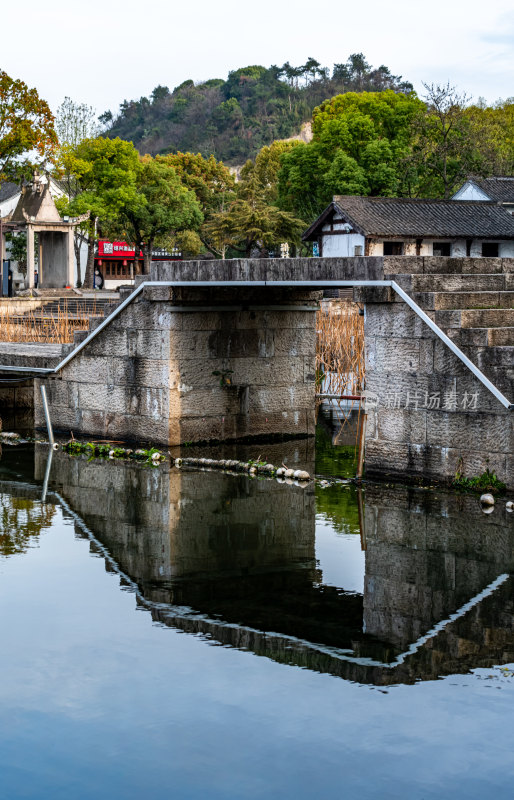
(266,168)
(360,143)
(18,250)
(162,210)
(492,128)
(301,187)
(214,188)
(345,176)
(250,223)
(26,126)
(106,172)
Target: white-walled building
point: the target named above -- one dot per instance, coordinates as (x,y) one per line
(497,189)
(377,226)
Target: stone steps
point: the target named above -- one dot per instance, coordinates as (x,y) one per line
(473,300)
(55,293)
(500,337)
(436,265)
(481,337)
(106,309)
(456,301)
(487,318)
(474,309)
(496,282)
(474,318)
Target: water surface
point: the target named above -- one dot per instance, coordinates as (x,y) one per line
(183,634)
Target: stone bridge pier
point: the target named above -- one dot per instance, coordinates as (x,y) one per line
(189,365)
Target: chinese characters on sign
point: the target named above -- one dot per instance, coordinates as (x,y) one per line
(120,249)
(444,401)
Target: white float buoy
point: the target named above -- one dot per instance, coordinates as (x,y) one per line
(302,475)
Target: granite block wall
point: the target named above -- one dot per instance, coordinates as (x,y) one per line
(432,418)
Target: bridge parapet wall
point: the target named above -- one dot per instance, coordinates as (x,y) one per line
(269,269)
(181,365)
(308,269)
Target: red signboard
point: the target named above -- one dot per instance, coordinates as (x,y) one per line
(116,250)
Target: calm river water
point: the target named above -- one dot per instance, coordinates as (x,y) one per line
(170,633)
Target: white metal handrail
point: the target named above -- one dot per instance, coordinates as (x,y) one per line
(317,284)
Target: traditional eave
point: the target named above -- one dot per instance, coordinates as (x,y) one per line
(404,218)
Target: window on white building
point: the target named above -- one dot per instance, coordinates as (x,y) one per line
(393,248)
(442,249)
(490,249)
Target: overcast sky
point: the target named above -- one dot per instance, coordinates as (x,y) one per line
(104,51)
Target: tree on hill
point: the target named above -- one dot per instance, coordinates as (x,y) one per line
(233,119)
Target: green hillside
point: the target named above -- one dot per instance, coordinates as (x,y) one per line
(233,118)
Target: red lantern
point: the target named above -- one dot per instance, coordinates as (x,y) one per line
(124,262)
(99,262)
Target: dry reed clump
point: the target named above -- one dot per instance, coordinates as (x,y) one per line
(56,327)
(340,369)
(340,349)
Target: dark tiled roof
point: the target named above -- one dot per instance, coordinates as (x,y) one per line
(400,217)
(499,189)
(30,202)
(7,190)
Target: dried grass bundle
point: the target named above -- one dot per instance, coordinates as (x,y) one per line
(340,365)
(39,326)
(340,349)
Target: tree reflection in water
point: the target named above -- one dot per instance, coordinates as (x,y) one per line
(22,520)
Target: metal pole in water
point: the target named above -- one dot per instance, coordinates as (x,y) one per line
(47,415)
(362,445)
(47,474)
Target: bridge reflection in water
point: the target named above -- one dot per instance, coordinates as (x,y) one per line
(234,560)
